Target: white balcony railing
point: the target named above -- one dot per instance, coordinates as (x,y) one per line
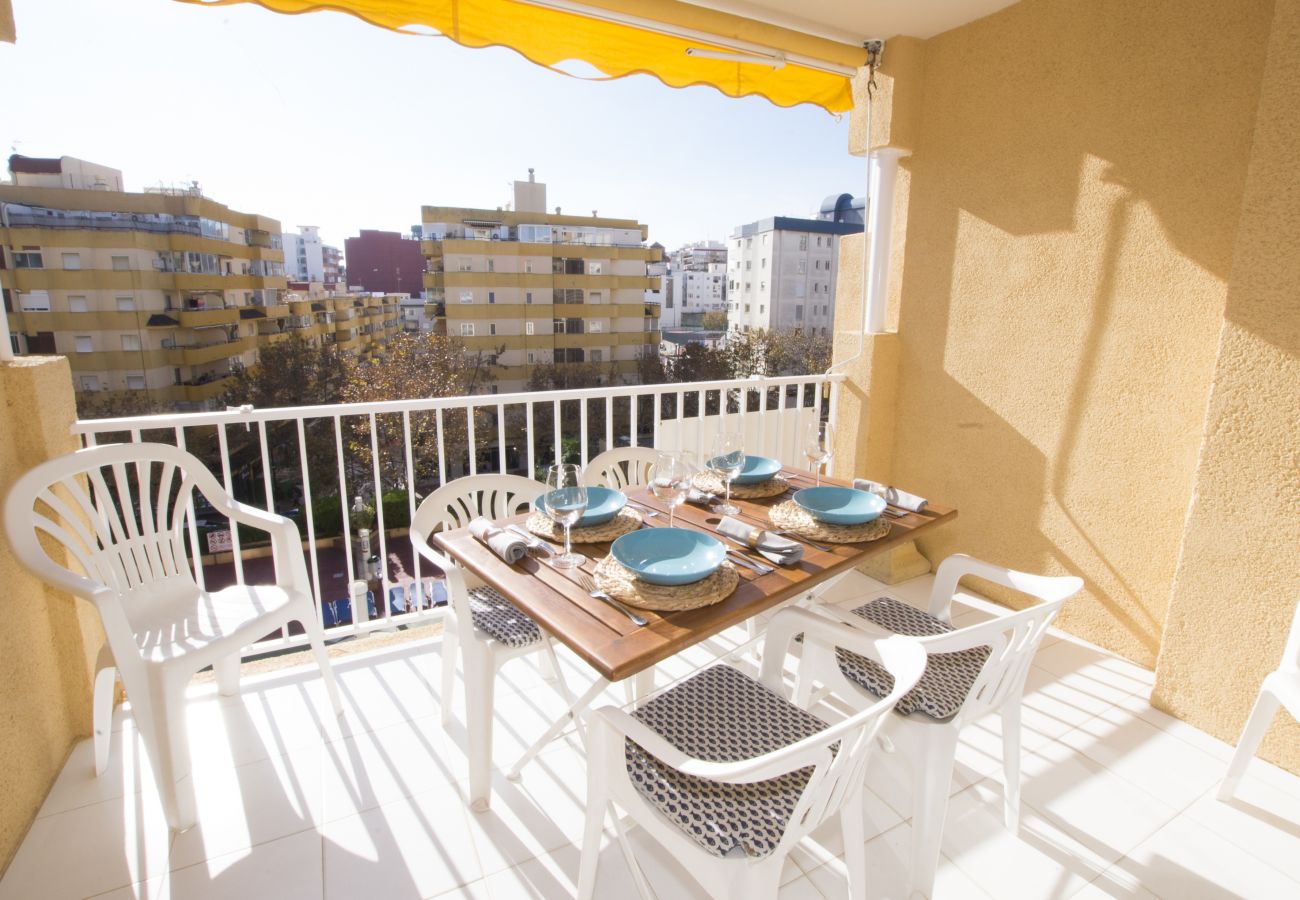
(312,461)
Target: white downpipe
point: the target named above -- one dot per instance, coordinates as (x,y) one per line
(880,227)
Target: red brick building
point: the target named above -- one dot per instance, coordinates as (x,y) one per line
(385,261)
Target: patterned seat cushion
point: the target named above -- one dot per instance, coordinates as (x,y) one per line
(947,678)
(722,715)
(501,619)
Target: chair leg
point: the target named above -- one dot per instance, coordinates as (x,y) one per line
(547,662)
(932,777)
(855,845)
(227,672)
(597,802)
(102,707)
(1011,765)
(480,678)
(161,721)
(1266,706)
(450,645)
(316,639)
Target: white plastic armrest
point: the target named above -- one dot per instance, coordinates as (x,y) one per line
(811,751)
(286,542)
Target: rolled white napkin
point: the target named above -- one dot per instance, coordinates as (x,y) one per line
(901,499)
(699,497)
(505,544)
(779,550)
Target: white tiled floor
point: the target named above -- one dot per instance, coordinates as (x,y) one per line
(1118,798)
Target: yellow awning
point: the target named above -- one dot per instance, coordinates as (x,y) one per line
(628,37)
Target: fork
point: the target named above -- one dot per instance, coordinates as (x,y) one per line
(649,512)
(799,537)
(586,583)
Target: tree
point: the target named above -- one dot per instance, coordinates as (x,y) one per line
(415,366)
(291,372)
(566,376)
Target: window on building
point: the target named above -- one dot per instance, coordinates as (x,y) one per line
(466,329)
(763,264)
(131,342)
(121,263)
(528,297)
(798,312)
(567,295)
(597,326)
(466,296)
(595,297)
(528,328)
(492,296)
(746,307)
(803,242)
(83,343)
(597,355)
(557,326)
(28,258)
(762,308)
(72,261)
(532,358)
(749,264)
(492,264)
(492,328)
(90,382)
(466,266)
(594,268)
(34,301)
(76,304)
(762,285)
(528,265)
(135,382)
(126,304)
(574,326)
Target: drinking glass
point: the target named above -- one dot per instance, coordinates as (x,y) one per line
(565,501)
(670,479)
(726,462)
(819,442)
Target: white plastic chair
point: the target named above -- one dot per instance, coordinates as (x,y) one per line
(118,512)
(1281,687)
(620,468)
(483,626)
(732,774)
(971,672)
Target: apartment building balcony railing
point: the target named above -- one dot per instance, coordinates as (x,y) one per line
(311,462)
(202,354)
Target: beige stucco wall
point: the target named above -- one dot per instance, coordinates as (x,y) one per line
(1070,215)
(1238,578)
(48,641)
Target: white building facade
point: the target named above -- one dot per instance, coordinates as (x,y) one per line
(304,258)
(695,281)
(780,274)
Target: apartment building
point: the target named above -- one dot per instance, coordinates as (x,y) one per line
(695,282)
(385,261)
(166,292)
(781,274)
(534,287)
(307,258)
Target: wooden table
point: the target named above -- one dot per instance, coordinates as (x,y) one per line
(618,649)
(608,640)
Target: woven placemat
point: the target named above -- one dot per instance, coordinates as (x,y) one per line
(622,584)
(628,519)
(773,487)
(789,515)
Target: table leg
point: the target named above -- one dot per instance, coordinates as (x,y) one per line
(574,712)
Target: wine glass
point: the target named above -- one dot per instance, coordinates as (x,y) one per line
(819,443)
(670,479)
(565,501)
(727,460)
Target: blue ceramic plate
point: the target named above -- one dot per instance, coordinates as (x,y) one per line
(603,504)
(840,505)
(669,555)
(757,468)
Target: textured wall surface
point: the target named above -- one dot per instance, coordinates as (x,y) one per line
(48,640)
(1070,229)
(1238,577)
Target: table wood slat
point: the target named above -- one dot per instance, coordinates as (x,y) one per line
(608,641)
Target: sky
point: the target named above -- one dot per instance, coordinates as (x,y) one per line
(321,119)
